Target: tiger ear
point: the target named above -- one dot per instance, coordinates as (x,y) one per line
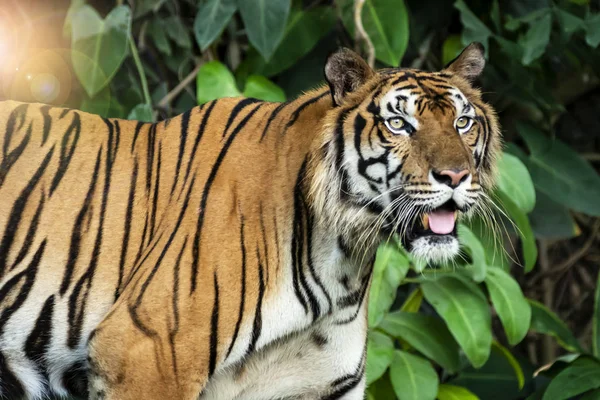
(345,71)
(470,63)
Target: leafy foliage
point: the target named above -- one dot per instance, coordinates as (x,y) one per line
(457,331)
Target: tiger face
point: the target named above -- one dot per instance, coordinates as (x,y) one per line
(410,152)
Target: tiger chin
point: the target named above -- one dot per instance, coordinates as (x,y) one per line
(227,253)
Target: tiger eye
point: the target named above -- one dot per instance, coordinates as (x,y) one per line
(462,122)
(396,123)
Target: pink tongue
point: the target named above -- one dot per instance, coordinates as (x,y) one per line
(441,222)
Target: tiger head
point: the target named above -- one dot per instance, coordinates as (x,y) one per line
(405,152)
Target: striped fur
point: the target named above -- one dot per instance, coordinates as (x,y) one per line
(224,253)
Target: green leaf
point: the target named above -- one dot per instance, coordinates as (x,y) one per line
(545,321)
(261,88)
(413,378)
(390,268)
(387,24)
(103,104)
(141,112)
(596,322)
(413,301)
(98,46)
(427,334)
(473,29)
(265,22)
(512,361)
(592,28)
(302,33)
(211,19)
(582,375)
(157,32)
(215,81)
(510,304)
(591,395)
(382,388)
(515,181)
(569,22)
(524,229)
(536,39)
(464,308)
(496,380)
(475,249)
(452,392)
(551,220)
(561,173)
(177,31)
(451,48)
(143,7)
(73,8)
(380,353)
(490,236)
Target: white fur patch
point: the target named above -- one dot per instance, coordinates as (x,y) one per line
(435,249)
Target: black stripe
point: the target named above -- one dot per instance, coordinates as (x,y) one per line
(236,110)
(19,112)
(271,118)
(175,328)
(257,325)
(134,307)
(264,237)
(361,298)
(201,130)
(276,231)
(185,121)
(296,113)
(8,160)
(136,133)
(297,244)
(47,123)
(206,192)
(30,234)
(38,340)
(67,148)
(21,282)
(214,330)
(127,228)
(311,267)
(64,113)
(78,228)
(347,382)
(150,155)
(155,196)
(243,287)
(9,384)
(14,221)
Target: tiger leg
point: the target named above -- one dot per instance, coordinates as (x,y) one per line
(326,361)
(127,363)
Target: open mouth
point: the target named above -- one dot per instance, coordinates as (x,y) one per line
(440,221)
(432,236)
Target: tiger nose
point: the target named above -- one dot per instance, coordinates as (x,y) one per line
(451,177)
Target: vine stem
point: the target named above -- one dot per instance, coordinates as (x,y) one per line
(140,69)
(361,33)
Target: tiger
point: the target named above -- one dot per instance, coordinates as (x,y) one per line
(227,253)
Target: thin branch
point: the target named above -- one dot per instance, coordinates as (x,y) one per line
(548,348)
(361,34)
(591,156)
(140,69)
(180,87)
(569,262)
(424,51)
